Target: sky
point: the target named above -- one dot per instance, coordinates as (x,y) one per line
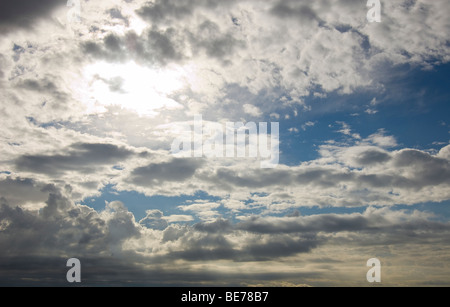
(95,93)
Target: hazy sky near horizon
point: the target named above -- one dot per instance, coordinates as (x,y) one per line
(92,98)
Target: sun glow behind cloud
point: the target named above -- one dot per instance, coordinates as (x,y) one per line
(131,86)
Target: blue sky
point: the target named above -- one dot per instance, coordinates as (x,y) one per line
(414,110)
(95,94)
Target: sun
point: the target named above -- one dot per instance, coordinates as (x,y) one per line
(130,86)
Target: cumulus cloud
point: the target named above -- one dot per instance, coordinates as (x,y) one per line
(237,54)
(70,128)
(154,220)
(204,210)
(252,110)
(112,240)
(25,193)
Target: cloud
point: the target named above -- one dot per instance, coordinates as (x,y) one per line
(62,141)
(372,157)
(23,13)
(111,241)
(177,218)
(163,10)
(39,85)
(381,139)
(239,55)
(24,193)
(372,220)
(218,226)
(308,125)
(154,220)
(371,111)
(60,228)
(160,47)
(289,9)
(346,130)
(252,110)
(120,223)
(357,175)
(206,211)
(83,158)
(176,170)
(231,54)
(326,223)
(280,246)
(221,46)
(368,172)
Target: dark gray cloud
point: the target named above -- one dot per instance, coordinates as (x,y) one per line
(44,85)
(176,170)
(321,176)
(252,178)
(163,46)
(60,228)
(428,170)
(374,227)
(213,42)
(287,236)
(205,248)
(110,49)
(111,271)
(56,97)
(281,246)
(370,157)
(35,246)
(325,222)
(215,246)
(23,13)
(293,9)
(20,191)
(81,157)
(153,47)
(162,10)
(115,13)
(405,170)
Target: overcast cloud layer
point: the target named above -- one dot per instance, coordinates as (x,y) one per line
(93,104)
